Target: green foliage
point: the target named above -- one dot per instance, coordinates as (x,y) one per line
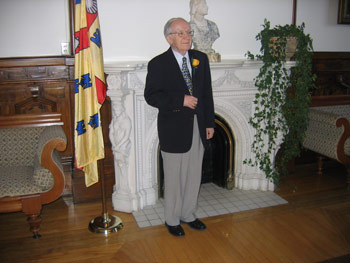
(283,98)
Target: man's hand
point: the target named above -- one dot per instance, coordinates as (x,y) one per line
(210,133)
(190,102)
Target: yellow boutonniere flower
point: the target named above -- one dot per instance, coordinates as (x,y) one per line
(195,62)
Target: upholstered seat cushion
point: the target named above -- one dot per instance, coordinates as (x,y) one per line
(15,181)
(19,146)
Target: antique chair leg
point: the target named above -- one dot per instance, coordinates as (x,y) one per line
(320,164)
(34,223)
(31,206)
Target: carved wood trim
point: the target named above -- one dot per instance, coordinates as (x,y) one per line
(36,101)
(11,204)
(317,101)
(30,120)
(48,163)
(331,55)
(345,159)
(36,61)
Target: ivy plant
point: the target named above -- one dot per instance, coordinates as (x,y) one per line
(282,100)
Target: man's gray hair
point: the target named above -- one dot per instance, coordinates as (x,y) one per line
(167,27)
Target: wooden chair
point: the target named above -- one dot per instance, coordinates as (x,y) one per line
(31,173)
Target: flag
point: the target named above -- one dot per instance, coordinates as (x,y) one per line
(89,89)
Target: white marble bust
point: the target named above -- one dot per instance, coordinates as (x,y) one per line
(205,31)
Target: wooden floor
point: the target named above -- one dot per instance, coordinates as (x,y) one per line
(313,227)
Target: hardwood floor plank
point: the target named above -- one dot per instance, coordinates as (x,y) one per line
(270,244)
(296,246)
(250,253)
(240,250)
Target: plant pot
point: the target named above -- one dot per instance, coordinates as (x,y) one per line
(290,48)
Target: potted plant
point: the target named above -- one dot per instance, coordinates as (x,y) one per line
(283,97)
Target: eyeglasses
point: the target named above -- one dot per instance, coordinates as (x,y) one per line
(183,33)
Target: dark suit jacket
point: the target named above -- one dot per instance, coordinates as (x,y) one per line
(165,90)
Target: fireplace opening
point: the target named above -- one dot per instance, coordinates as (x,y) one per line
(218,160)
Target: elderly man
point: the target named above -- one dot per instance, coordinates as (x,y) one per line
(178,83)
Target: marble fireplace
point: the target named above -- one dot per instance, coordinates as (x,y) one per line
(133,129)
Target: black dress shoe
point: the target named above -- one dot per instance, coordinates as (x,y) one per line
(196,224)
(175,230)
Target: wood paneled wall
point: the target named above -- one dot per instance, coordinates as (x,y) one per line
(333,78)
(46,85)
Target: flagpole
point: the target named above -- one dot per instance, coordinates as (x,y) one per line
(106,223)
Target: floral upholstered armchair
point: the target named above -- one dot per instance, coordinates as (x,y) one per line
(31,173)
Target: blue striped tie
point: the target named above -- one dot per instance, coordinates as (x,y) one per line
(186,74)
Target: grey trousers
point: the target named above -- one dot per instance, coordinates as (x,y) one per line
(182,179)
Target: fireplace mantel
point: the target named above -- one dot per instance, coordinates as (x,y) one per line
(133,129)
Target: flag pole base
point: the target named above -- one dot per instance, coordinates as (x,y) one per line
(105,224)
